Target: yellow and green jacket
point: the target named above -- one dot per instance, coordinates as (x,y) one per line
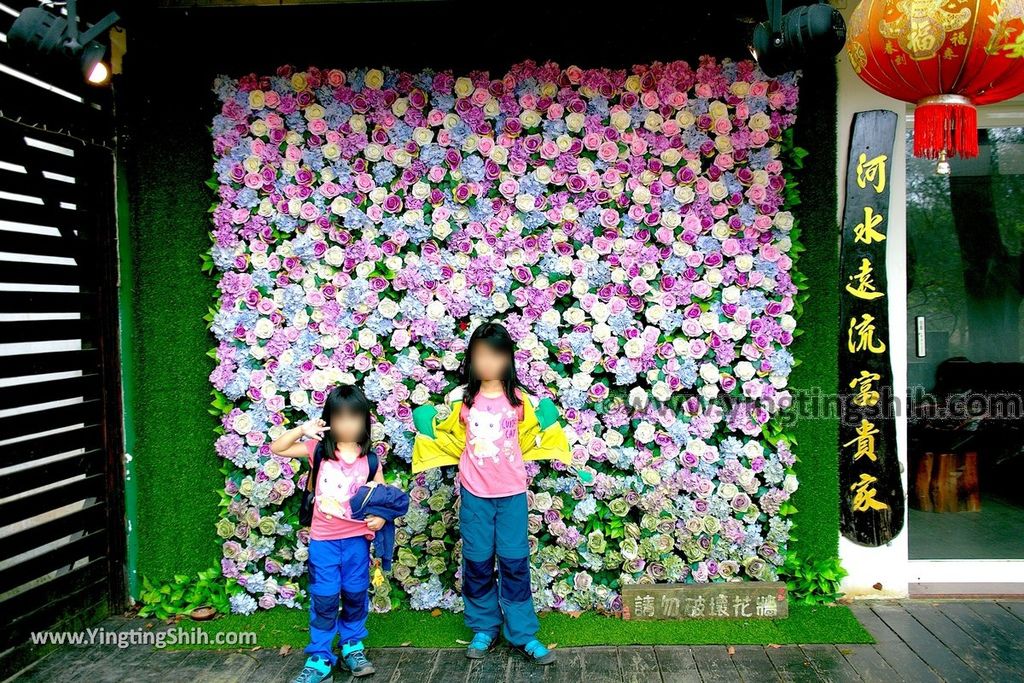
(440,442)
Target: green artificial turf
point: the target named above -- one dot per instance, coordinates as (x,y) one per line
(816,521)
(175,466)
(806,624)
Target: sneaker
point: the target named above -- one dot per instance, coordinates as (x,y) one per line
(356,661)
(536,652)
(316,670)
(481,644)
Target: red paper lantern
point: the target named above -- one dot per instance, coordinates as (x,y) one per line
(947,56)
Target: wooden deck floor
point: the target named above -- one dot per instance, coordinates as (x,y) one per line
(917,640)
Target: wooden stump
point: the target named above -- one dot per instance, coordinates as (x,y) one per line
(947,482)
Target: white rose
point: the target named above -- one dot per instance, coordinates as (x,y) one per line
(709,391)
(367,338)
(655,313)
(542,501)
(298,398)
(789,484)
(581,381)
(377,195)
(644,432)
(388,308)
(500,301)
(634,348)
(242,423)
(637,398)
(318,380)
(435,310)
(661,391)
(613,438)
(710,373)
(744,370)
(264,328)
(400,339)
(335,256)
(601,333)
(401,158)
(525,202)
(420,190)
(574,122)
(412,217)
(419,395)
(574,316)
(441,229)
(422,136)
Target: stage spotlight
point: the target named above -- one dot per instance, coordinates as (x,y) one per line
(42,31)
(784,42)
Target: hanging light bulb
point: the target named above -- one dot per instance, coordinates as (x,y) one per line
(942,168)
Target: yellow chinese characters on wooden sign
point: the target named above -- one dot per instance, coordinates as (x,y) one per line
(872,497)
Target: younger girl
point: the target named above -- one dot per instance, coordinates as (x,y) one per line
(492,428)
(339,546)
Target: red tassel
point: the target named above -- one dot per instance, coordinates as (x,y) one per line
(949,127)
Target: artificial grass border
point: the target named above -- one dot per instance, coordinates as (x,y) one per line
(806,624)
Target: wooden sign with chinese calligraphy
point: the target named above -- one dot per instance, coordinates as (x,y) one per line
(871,493)
(727,600)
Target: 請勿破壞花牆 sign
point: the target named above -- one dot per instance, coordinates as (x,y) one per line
(726,600)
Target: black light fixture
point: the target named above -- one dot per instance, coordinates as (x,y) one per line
(47,32)
(785,41)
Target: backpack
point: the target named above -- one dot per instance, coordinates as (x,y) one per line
(309,494)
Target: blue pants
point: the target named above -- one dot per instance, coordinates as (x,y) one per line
(497,527)
(339,576)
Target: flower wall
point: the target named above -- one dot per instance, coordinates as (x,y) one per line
(629,227)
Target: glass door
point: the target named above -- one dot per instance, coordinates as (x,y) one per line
(965,353)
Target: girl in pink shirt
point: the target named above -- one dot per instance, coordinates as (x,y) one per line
(339,546)
(493,508)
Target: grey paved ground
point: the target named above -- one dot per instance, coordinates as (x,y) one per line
(917,641)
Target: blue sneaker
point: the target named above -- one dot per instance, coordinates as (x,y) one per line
(316,670)
(536,652)
(481,644)
(355,659)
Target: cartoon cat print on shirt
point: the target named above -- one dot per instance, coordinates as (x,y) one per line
(485,431)
(335,488)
